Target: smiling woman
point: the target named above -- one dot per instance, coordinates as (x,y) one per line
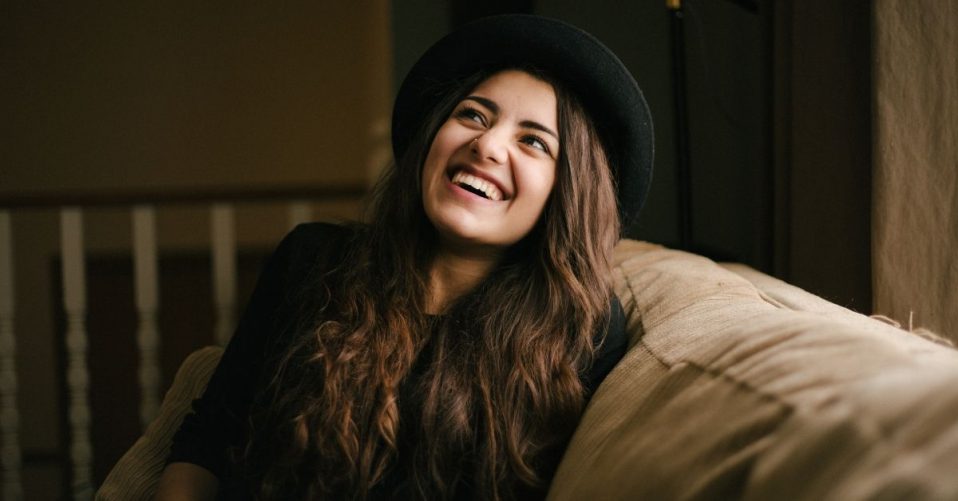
(447,348)
(491,167)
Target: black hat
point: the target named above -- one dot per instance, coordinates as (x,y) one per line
(588,68)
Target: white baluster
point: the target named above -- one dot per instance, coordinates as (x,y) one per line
(299,212)
(223,248)
(9,414)
(379,151)
(147,305)
(74,300)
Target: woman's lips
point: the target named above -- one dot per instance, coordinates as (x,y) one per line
(479,183)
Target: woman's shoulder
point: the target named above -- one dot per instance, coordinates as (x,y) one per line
(310,249)
(611,346)
(307,240)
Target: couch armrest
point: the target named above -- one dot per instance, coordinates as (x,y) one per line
(740,386)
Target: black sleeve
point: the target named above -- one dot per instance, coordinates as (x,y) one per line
(612,348)
(219,417)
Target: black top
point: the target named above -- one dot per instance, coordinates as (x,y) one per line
(219,416)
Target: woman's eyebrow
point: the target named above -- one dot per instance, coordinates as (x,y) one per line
(529,124)
(488,103)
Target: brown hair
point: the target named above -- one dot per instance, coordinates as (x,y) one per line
(498,386)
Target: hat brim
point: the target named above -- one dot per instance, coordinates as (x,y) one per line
(587,67)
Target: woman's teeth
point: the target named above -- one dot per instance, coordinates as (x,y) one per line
(476,185)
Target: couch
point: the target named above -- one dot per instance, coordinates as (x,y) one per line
(736,386)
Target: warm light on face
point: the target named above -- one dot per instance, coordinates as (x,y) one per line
(492,164)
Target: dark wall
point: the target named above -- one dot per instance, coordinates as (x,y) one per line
(827,126)
(416,24)
(173,95)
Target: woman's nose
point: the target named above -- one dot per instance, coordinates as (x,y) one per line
(490,145)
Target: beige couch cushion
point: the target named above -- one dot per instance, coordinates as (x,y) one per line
(137,472)
(730,392)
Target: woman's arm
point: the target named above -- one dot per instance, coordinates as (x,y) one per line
(217,423)
(615,343)
(198,457)
(198,461)
(187,482)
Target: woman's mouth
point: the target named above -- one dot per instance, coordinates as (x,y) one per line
(476,185)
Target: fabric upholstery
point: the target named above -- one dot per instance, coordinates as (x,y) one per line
(136,473)
(735,393)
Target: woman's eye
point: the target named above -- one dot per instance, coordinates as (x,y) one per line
(472,115)
(536,143)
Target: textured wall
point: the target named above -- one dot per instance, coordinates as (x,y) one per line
(915,210)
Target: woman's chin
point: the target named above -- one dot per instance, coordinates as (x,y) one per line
(469,237)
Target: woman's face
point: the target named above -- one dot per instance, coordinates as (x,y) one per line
(492,165)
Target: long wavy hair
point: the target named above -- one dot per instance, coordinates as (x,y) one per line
(498,389)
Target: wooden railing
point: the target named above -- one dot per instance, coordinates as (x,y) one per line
(143,207)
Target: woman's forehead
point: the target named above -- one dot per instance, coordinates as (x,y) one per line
(517,91)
